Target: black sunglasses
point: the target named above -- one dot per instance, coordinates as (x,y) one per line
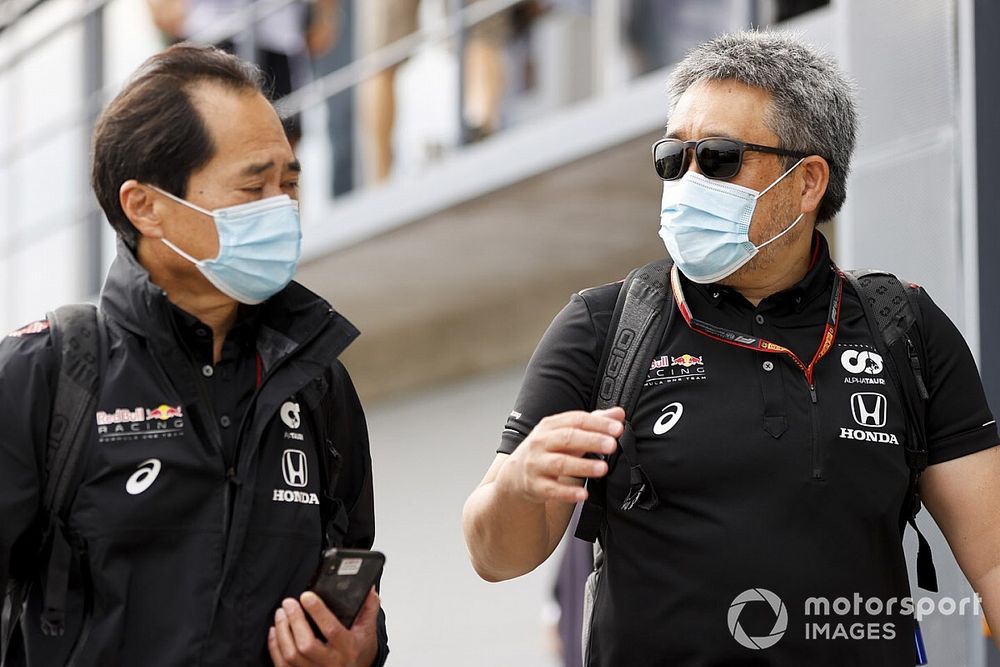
(717,157)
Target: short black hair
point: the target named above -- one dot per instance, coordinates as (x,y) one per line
(152,131)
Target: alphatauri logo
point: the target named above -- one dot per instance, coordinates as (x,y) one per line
(861,361)
(780,618)
(671,415)
(290,414)
(143,477)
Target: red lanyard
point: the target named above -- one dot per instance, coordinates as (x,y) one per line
(759,344)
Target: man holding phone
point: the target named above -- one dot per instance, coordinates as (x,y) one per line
(223,445)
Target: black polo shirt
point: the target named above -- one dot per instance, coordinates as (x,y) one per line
(761,487)
(229,384)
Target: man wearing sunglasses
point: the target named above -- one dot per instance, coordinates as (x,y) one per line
(769,470)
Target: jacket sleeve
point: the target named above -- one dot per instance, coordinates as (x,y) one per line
(354,484)
(27,375)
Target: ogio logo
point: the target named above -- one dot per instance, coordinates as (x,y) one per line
(780,618)
(616,362)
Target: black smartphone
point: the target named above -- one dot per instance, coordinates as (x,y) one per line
(344,578)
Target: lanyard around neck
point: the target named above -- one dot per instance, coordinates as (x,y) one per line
(757,343)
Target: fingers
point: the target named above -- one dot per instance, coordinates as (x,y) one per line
(578,433)
(562,465)
(296,641)
(364,631)
(578,442)
(368,616)
(550,489)
(325,620)
(272,648)
(553,459)
(283,640)
(604,422)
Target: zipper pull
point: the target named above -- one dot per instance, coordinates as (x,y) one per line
(812,392)
(231,476)
(911,351)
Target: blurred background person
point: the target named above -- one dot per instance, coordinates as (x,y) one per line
(329,56)
(386,21)
(661,33)
(283,41)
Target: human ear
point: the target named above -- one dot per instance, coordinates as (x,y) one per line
(814,177)
(138,201)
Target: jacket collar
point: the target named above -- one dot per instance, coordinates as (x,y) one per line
(290,318)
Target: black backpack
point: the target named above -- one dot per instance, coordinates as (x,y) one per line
(644,310)
(77,332)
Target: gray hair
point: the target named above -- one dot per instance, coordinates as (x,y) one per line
(812,100)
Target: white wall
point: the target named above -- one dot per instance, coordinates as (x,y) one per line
(429,451)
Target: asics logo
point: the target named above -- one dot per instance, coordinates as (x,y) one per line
(671,415)
(143,477)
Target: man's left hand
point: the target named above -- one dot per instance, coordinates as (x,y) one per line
(292,642)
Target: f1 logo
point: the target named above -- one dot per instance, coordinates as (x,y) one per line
(293,467)
(869,409)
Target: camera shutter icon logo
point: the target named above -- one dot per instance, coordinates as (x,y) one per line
(780,618)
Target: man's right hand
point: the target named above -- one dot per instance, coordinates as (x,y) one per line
(549,463)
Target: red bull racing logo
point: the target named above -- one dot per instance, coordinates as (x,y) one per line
(164,412)
(686,360)
(163,421)
(671,368)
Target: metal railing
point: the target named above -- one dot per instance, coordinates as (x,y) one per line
(459,21)
(18,45)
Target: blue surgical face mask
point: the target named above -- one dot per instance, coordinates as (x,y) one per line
(259,247)
(705,225)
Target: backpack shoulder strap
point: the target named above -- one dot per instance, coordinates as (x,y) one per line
(894,317)
(76,334)
(642,313)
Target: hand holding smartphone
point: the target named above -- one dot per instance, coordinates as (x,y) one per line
(344,578)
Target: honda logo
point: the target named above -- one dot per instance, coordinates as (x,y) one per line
(293,467)
(868,409)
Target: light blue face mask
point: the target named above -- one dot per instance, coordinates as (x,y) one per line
(705,225)
(259,247)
